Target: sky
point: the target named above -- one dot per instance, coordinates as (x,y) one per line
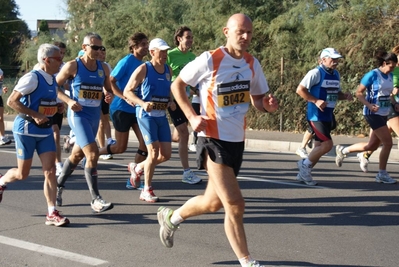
(32,10)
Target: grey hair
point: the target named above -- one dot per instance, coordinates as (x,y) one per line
(46,50)
(89,36)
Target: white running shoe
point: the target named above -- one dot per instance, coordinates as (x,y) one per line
(305,174)
(167,229)
(363,162)
(191,178)
(302,153)
(135,177)
(148,196)
(384,178)
(255,263)
(99,205)
(192,148)
(5,141)
(106,157)
(339,158)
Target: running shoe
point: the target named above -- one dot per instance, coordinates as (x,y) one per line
(2,188)
(302,153)
(129,185)
(134,176)
(255,263)
(384,178)
(363,162)
(111,141)
(83,163)
(106,157)
(5,141)
(67,146)
(192,147)
(58,200)
(167,229)
(148,196)
(100,205)
(56,219)
(305,173)
(190,177)
(339,158)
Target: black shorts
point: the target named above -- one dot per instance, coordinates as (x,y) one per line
(177,116)
(1,100)
(57,119)
(333,125)
(322,130)
(221,152)
(376,121)
(123,121)
(104,106)
(392,112)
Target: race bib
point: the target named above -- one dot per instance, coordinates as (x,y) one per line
(332,98)
(384,104)
(90,95)
(234,93)
(48,107)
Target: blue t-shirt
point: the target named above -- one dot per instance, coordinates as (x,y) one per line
(122,72)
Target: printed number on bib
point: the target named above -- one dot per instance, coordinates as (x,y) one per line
(234,93)
(332,98)
(160,102)
(48,107)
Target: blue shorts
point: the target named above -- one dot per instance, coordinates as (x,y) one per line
(84,129)
(26,145)
(154,129)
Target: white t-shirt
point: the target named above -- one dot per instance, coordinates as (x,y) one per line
(225,86)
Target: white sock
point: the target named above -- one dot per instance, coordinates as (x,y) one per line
(345,151)
(176,219)
(58,164)
(51,209)
(307,162)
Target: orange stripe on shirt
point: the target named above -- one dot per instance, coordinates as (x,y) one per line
(212,125)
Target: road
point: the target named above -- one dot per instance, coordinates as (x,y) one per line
(348,220)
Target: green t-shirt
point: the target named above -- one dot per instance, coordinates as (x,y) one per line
(177,60)
(396,77)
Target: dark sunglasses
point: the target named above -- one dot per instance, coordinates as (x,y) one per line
(96,47)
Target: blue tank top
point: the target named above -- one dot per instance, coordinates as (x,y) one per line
(327,89)
(156,89)
(43,100)
(87,89)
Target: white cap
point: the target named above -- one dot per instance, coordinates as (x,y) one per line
(330,52)
(158,43)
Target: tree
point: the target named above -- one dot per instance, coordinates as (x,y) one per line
(43,27)
(13,32)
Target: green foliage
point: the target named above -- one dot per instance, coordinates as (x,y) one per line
(288,37)
(43,27)
(13,32)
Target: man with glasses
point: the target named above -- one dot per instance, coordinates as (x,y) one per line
(88,76)
(34,99)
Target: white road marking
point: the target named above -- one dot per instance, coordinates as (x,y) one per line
(51,251)
(280,182)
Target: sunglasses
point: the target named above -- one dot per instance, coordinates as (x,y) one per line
(96,47)
(59,59)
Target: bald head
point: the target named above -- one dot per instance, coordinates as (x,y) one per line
(238,32)
(237,19)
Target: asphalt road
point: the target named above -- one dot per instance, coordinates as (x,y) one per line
(348,220)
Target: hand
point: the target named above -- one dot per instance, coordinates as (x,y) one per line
(199,123)
(348,96)
(74,105)
(60,108)
(270,102)
(172,105)
(108,97)
(5,89)
(373,108)
(148,106)
(321,104)
(40,118)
